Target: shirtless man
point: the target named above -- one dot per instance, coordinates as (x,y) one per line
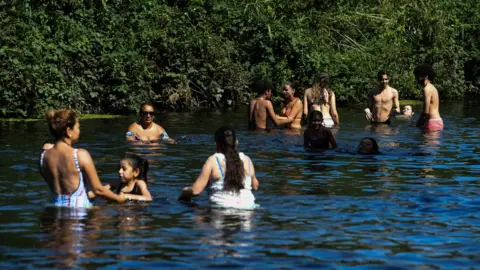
(261,108)
(380,101)
(430,118)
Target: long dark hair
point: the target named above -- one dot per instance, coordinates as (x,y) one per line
(321,81)
(226,140)
(138,163)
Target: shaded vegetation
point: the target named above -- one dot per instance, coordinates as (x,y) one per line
(100,56)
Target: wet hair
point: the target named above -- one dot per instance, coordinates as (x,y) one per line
(59,121)
(321,81)
(374,145)
(314,115)
(381,73)
(138,163)
(424,70)
(226,139)
(146,104)
(260,86)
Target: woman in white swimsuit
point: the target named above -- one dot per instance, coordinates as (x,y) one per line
(321,98)
(228,175)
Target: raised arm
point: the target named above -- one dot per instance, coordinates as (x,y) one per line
(145,194)
(88,168)
(200,183)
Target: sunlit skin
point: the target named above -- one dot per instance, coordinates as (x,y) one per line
(60,172)
(261,109)
(430,101)
(380,102)
(293,107)
(146,130)
(328,110)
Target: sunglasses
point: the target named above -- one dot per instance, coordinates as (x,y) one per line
(148,113)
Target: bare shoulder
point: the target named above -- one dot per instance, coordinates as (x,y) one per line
(395,91)
(83,156)
(133,127)
(141,183)
(159,128)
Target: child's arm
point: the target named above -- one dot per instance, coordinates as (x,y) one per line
(145,194)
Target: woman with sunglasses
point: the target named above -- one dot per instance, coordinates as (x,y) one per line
(146,130)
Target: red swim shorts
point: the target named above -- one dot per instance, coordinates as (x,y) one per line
(434,124)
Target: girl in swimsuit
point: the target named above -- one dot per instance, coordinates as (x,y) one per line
(293,106)
(67,170)
(321,98)
(133,175)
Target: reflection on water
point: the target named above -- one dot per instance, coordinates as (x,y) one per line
(414,206)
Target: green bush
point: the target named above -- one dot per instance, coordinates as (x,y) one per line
(101,56)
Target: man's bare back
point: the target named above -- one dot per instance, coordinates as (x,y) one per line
(260,110)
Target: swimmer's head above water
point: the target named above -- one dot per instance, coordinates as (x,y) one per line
(407,110)
(315,120)
(368,146)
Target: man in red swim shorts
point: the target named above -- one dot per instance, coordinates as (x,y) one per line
(430,118)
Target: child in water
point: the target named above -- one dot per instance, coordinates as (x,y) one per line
(133,179)
(316,136)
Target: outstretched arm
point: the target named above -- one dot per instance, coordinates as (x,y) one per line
(277,120)
(87,166)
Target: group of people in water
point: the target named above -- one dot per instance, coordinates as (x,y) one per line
(228,175)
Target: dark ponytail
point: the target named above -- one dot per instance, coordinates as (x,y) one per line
(226,140)
(138,163)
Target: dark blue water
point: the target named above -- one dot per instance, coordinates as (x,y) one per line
(415,206)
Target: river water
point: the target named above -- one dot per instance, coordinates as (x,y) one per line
(415,206)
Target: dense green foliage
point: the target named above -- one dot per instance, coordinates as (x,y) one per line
(110,56)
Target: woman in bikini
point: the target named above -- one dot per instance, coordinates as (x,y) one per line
(293,106)
(146,130)
(69,170)
(321,98)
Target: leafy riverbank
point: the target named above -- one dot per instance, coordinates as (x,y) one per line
(111,56)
